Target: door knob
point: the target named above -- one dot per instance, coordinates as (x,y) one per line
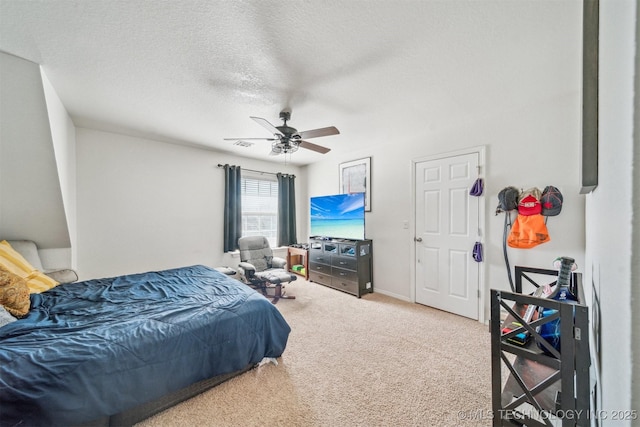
(418,239)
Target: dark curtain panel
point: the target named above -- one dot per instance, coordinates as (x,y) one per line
(286,210)
(232,208)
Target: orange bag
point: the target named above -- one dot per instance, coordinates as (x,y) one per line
(528,231)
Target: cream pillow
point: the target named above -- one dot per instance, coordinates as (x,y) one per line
(15,263)
(5,317)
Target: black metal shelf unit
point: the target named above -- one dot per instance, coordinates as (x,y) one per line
(541,389)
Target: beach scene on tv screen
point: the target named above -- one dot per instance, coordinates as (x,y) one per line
(339,216)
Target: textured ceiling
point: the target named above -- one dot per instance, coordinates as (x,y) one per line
(193,71)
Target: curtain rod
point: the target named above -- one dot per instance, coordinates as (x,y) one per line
(261,172)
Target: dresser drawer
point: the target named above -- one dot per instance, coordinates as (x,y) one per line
(344,262)
(320,268)
(320,257)
(345,285)
(344,275)
(318,277)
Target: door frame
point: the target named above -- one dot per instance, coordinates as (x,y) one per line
(480,150)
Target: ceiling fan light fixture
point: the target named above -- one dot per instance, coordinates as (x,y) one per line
(279,147)
(276,148)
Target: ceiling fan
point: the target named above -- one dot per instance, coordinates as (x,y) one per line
(287,139)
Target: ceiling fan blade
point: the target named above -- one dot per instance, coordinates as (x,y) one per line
(264,123)
(315,133)
(248,139)
(314,147)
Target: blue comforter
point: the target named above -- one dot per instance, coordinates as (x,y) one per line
(99,347)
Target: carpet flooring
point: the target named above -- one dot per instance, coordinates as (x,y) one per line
(373,361)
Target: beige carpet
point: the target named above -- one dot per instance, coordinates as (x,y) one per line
(374,361)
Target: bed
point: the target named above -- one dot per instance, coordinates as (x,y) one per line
(114,351)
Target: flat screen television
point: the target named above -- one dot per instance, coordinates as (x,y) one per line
(339,216)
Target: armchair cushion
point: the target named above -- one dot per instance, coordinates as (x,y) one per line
(64,275)
(276,276)
(15,263)
(256,251)
(247,271)
(29,251)
(277,262)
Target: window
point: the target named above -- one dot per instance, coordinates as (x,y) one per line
(260,208)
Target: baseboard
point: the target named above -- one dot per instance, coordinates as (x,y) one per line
(392,295)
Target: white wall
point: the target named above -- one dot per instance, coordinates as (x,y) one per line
(63,135)
(29,179)
(610,222)
(146,205)
(530,127)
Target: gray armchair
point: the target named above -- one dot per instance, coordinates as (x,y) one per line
(29,251)
(261,270)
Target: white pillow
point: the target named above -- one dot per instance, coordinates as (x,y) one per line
(5,317)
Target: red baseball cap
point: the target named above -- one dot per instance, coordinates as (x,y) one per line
(529,205)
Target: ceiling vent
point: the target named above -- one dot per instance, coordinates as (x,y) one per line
(241,143)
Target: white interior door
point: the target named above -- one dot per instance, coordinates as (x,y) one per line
(447,227)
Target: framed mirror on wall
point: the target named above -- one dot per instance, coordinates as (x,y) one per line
(590,31)
(355,177)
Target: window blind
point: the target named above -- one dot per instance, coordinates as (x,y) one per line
(260,208)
